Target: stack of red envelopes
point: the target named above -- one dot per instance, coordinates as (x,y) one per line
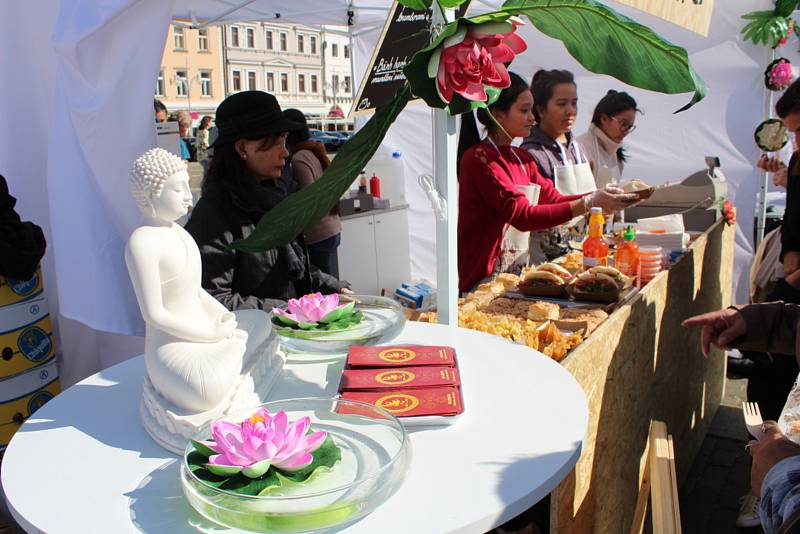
(406,380)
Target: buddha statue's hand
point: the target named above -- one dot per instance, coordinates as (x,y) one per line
(225,325)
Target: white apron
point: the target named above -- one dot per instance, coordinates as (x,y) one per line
(515,245)
(573,178)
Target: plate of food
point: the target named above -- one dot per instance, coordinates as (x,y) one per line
(599,284)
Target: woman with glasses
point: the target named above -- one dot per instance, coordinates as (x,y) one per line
(613,119)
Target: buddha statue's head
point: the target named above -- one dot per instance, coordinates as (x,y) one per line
(160,185)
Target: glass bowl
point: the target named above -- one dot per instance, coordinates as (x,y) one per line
(383,320)
(375,456)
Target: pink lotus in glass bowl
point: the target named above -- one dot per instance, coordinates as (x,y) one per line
(315,311)
(259,442)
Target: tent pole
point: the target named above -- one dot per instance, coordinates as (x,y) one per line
(761,207)
(444,172)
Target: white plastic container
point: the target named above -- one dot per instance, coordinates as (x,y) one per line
(387,164)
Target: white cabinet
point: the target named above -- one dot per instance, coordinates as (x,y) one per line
(374,252)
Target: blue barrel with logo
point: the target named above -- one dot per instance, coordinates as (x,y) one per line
(15,291)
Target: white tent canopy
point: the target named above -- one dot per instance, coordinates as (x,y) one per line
(77,95)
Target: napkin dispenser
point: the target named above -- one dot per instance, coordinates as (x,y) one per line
(696,197)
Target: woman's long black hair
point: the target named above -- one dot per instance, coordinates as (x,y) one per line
(469,134)
(612,104)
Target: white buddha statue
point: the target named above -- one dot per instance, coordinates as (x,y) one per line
(202,361)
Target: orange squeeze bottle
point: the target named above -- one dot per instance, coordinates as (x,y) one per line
(595,249)
(627,257)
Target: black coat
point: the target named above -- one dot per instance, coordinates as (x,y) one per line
(243,280)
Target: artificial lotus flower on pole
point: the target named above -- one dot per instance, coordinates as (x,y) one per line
(465,66)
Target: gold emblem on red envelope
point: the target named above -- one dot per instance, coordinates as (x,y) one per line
(395,377)
(397,403)
(396,355)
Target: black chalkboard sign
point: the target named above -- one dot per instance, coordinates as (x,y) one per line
(406,31)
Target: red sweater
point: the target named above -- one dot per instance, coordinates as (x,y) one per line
(488,200)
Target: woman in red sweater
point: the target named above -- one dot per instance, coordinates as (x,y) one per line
(489,173)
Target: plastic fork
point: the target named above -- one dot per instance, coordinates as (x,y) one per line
(752,419)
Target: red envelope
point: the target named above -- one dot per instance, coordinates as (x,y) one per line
(400,356)
(412,402)
(399,377)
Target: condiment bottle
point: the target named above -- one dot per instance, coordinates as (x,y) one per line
(626,260)
(362,183)
(375,186)
(595,249)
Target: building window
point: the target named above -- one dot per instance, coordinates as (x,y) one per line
(181,83)
(205,83)
(202,40)
(314,88)
(301,44)
(335,50)
(160,84)
(271,82)
(282,37)
(270,45)
(251,80)
(251,38)
(284,82)
(178,38)
(346,88)
(301,83)
(234,36)
(335,82)
(346,51)
(236,80)
(313,44)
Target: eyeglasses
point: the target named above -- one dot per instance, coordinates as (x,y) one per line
(626,127)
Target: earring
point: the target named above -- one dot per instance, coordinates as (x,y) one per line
(243,155)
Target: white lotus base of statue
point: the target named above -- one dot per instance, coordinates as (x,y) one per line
(202,361)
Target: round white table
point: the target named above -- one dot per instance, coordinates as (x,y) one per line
(83,463)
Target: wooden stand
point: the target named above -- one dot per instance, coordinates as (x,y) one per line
(641,365)
(660,483)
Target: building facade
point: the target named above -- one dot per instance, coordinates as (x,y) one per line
(191,74)
(297,64)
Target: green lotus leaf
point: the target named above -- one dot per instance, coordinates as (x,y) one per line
(416,5)
(285,320)
(224,470)
(339,312)
(257,469)
(307,326)
(202,449)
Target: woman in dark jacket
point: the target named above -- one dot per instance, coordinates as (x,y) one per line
(241,184)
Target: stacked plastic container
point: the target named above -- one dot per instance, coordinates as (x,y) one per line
(28,370)
(651,262)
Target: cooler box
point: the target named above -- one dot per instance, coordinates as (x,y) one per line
(14,291)
(22,395)
(26,337)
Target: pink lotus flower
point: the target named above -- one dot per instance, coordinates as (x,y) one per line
(312,309)
(259,442)
(474,57)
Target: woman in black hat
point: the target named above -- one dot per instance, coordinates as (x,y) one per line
(245,179)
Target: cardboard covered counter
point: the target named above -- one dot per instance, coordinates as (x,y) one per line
(635,364)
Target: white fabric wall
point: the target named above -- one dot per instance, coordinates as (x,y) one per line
(77,112)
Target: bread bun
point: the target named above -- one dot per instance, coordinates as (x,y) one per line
(556,270)
(595,282)
(641,189)
(543,278)
(618,277)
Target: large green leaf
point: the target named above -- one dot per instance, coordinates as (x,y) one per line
(297,212)
(607,42)
(785,8)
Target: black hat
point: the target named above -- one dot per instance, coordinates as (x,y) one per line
(250,115)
